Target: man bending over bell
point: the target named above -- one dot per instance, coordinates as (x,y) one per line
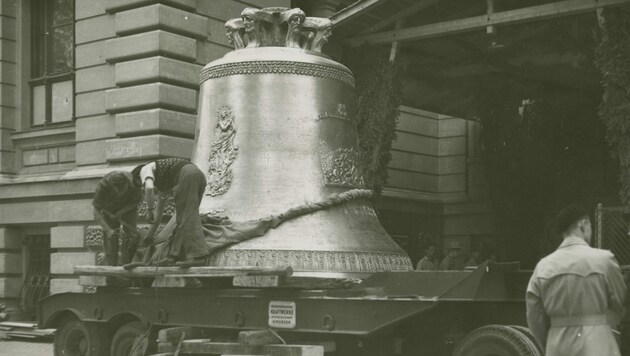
(187,182)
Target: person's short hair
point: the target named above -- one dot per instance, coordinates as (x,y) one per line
(135,174)
(568,216)
(117,179)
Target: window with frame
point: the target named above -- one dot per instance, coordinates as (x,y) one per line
(52,71)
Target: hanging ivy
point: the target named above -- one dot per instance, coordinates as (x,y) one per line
(612,59)
(378,90)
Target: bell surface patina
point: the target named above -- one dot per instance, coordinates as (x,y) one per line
(277,130)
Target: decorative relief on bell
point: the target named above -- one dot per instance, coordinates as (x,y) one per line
(340,166)
(223,152)
(278,26)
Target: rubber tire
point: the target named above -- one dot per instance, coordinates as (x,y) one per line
(125,337)
(77,338)
(524,330)
(496,340)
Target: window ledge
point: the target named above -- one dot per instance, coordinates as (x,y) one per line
(44,132)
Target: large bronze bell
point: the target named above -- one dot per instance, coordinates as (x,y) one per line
(277,130)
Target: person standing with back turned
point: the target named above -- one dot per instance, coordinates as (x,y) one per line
(575,295)
(187,182)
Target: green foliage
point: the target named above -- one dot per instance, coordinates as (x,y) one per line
(612,58)
(378,90)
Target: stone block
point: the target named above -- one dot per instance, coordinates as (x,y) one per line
(452,127)
(8,8)
(413,143)
(7,73)
(92,152)
(64,285)
(413,181)
(93,281)
(294,350)
(7,162)
(7,50)
(94,29)
(7,117)
(154,121)
(6,143)
(94,128)
(148,44)
(7,28)
(121,5)
(95,78)
(147,147)
(47,211)
(64,262)
(452,146)
(10,238)
(90,54)
(216,31)
(158,69)
(149,96)
(67,237)
(7,94)
(221,9)
(10,287)
(208,52)
(34,157)
(10,262)
(89,8)
(90,104)
(161,17)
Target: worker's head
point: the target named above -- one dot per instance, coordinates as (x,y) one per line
(574,220)
(119,183)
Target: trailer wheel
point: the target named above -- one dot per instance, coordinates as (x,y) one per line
(496,340)
(525,331)
(132,338)
(76,338)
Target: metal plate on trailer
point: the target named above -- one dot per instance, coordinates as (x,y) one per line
(282,314)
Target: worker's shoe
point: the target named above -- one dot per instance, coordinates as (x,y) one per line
(192,262)
(168,261)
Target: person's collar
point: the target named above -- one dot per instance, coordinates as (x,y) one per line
(572,240)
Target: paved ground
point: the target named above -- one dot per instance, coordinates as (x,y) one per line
(25,348)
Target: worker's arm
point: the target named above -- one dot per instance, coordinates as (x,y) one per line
(537,319)
(100,219)
(149,195)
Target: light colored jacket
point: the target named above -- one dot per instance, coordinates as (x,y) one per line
(425,264)
(574,299)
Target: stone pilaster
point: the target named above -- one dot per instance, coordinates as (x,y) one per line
(7,85)
(156,66)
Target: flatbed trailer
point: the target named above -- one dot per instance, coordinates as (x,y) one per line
(386,313)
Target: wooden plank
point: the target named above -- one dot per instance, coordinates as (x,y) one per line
(295,350)
(258,338)
(294,282)
(528,14)
(413,9)
(354,10)
(218,348)
(205,272)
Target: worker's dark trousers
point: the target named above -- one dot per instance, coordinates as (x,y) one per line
(188,241)
(129,240)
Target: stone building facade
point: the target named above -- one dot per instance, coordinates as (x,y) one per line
(88,86)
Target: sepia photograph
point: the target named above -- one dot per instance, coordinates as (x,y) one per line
(314,177)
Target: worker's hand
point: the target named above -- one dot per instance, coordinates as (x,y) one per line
(109,233)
